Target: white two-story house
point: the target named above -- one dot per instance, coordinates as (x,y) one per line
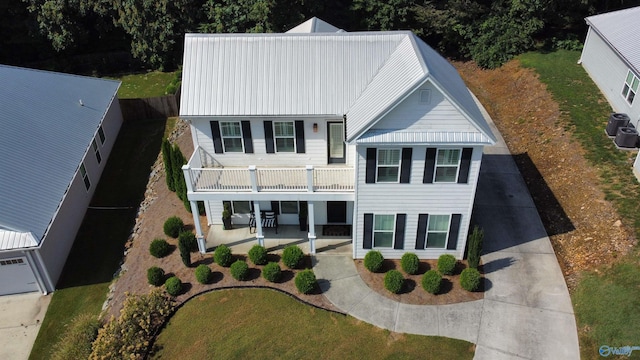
(372,129)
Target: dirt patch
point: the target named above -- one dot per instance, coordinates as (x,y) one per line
(585,229)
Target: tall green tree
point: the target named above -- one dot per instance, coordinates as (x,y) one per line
(386,15)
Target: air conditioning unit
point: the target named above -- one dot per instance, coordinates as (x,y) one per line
(627,137)
(617,120)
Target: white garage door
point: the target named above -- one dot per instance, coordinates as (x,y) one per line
(16,276)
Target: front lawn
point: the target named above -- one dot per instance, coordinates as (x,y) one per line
(265,324)
(606,303)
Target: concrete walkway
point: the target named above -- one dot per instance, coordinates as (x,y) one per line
(526,312)
(20,319)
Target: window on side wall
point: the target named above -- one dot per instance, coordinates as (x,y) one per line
(383,230)
(438,231)
(85,177)
(447,164)
(231,134)
(388,165)
(94,145)
(101,135)
(630,88)
(284,134)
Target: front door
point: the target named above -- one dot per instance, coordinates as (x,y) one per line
(335,143)
(336,212)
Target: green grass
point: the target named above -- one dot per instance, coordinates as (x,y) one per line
(264,324)
(144,85)
(98,248)
(606,303)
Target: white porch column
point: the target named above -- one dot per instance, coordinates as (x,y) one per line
(256,212)
(187,177)
(312,228)
(202,243)
(310,178)
(254,179)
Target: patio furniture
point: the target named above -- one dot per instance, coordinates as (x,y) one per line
(268,219)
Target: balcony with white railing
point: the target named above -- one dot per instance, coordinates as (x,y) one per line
(204,174)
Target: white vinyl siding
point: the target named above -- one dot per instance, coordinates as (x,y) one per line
(231,133)
(388,165)
(437,231)
(383,230)
(630,88)
(447,165)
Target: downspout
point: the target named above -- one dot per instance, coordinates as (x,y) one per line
(36,272)
(46,273)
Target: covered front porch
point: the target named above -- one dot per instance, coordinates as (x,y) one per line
(240,239)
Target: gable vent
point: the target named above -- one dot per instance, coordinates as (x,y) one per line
(425,96)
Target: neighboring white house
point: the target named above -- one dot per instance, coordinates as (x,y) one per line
(372,129)
(611,57)
(57,131)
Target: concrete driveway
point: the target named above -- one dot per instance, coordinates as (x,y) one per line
(20,319)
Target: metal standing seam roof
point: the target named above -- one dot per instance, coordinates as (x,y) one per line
(621,29)
(47,123)
(314,25)
(362,74)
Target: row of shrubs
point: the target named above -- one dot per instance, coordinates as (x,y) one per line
(431,280)
(292,258)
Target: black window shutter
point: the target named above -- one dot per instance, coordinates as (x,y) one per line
(275,207)
(405,170)
(422,231)
(367,240)
(398,242)
(429,166)
(465,162)
(246,137)
(217,138)
(300,136)
(452,242)
(268,137)
(370,176)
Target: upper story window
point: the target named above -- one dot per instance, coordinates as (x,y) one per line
(383,230)
(284,134)
(437,231)
(94,145)
(101,135)
(85,176)
(388,166)
(231,133)
(630,88)
(447,164)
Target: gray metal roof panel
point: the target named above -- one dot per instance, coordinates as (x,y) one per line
(48,121)
(314,25)
(621,29)
(16,240)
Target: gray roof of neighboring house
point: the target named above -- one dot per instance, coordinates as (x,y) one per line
(362,75)
(45,133)
(621,29)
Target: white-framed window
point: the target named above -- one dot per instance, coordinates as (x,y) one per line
(630,88)
(94,145)
(447,165)
(383,230)
(231,133)
(288,207)
(388,165)
(85,177)
(101,135)
(438,231)
(285,136)
(240,207)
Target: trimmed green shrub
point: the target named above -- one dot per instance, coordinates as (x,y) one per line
(431,281)
(189,239)
(75,342)
(258,255)
(168,168)
(474,247)
(272,272)
(470,279)
(222,256)
(410,263)
(239,270)
(129,337)
(159,248)
(393,281)
(447,264)
(305,281)
(203,274)
(173,285)
(173,226)
(185,251)
(373,261)
(155,276)
(292,256)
